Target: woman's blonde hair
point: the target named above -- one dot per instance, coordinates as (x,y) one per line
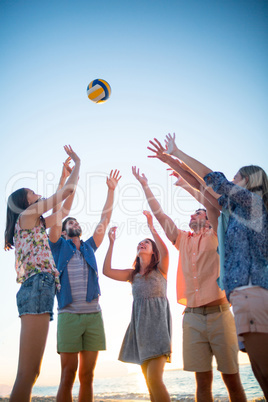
(257,181)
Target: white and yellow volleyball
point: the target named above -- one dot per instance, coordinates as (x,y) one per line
(98,91)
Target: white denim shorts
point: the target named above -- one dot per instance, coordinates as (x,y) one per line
(250,307)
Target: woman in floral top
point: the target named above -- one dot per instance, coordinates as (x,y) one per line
(246,251)
(36,272)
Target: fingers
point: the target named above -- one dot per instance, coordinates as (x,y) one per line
(68,149)
(112,233)
(115,175)
(136,171)
(151,149)
(112,230)
(173,173)
(170,137)
(158,149)
(159,144)
(147,213)
(66,164)
(155,145)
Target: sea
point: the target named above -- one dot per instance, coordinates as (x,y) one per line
(180,385)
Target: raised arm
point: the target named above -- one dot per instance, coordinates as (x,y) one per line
(212,212)
(99,232)
(59,212)
(34,211)
(190,178)
(185,172)
(172,149)
(164,257)
(165,221)
(117,274)
(66,171)
(54,221)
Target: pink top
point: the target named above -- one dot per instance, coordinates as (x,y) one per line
(32,253)
(198,268)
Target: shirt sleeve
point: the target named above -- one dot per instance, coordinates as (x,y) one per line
(236,194)
(181,234)
(92,243)
(55,246)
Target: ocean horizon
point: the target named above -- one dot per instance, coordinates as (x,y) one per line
(180,385)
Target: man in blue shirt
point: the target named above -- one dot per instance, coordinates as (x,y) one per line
(80,332)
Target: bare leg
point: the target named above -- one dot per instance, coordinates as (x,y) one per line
(144,371)
(69,363)
(87,363)
(33,336)
(234,387)
(256,344)
(154,377)
(204,386)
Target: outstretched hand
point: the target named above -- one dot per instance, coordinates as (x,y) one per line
(170,144)
(159,151)
(66,168)
(111,234)
(68,149)
(180,182)
(141,178)
(113,179)
(148,217)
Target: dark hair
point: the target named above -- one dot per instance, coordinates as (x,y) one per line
(64,223)
(153,263)
(203,209)
(17,203)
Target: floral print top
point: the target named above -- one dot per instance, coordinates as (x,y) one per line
(32,252)
(246,239)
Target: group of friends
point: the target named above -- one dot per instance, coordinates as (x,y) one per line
(223,260)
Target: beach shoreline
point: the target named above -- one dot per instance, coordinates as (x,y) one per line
(75,399)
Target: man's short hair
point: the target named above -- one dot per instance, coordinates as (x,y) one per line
(64,223)
(203,209)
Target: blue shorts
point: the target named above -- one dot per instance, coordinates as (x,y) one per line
(36,295)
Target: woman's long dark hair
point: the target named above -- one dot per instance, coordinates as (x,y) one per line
(153,263)
(17,202)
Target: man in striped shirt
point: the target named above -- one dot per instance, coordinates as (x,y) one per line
(80,333)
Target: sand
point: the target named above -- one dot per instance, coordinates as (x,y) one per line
(75,399)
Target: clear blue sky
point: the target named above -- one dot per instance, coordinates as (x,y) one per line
(197,68)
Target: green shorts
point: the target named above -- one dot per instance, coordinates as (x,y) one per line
(77,332)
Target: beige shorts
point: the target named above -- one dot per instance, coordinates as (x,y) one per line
(205,336)
(250,308)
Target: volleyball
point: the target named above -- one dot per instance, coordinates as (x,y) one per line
(98,91)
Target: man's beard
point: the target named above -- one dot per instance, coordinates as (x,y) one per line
(74,232)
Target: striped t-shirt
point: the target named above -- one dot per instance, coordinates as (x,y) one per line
(78,277)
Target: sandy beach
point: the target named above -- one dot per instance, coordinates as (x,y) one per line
(75,399)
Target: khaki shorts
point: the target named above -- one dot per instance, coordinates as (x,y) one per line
(77,332)
(250,308)
(208,335)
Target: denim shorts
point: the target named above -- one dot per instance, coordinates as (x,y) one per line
(36,295)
